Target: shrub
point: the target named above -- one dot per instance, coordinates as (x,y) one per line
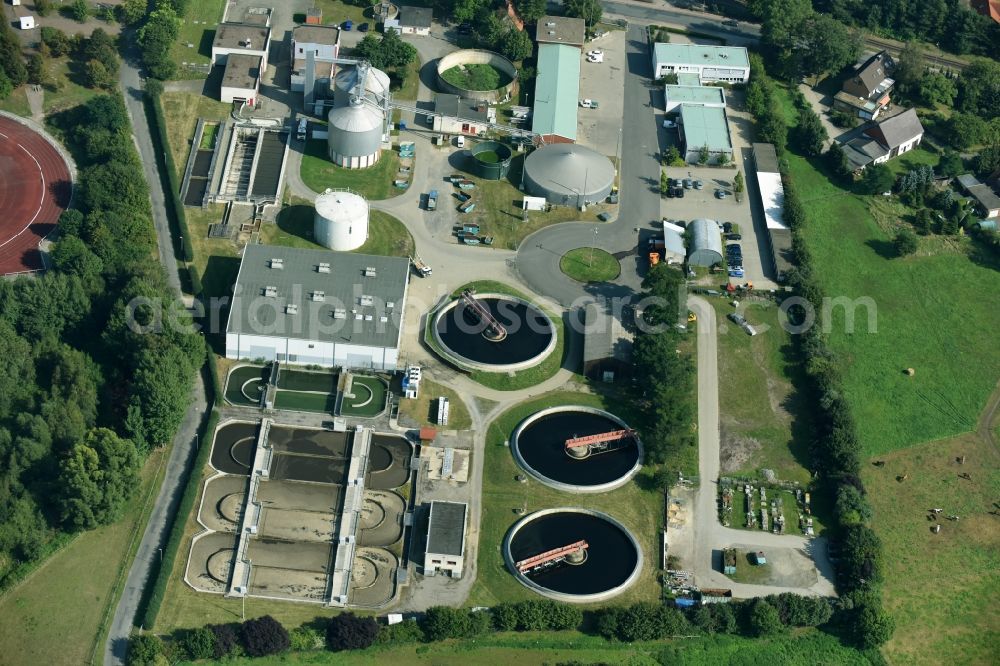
(227,638)
(198,643)
(347,631)
(263,636)
(763,619)
(407,631)
(905,243)
(144,650)
(306,638)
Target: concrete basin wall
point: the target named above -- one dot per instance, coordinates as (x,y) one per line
(478,57)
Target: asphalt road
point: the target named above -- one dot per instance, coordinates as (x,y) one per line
(185,441)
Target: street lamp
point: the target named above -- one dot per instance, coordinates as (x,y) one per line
(592,246)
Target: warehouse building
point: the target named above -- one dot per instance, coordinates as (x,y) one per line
(772,199)
(334,309)
(730,64)
(445,550)
(701,128)
(557,91)
(706,243)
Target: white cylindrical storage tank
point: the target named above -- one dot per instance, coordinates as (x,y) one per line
(341,221)
(355,138)
(345,84)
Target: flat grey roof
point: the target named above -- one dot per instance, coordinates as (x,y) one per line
(242,71)
(701,54)
(694,94)
(415,17)
(986,197)
(781,249)
(327,35)
(446,528)
(560,30)
(257,310)
(230,36)
(765,157)
(454,106)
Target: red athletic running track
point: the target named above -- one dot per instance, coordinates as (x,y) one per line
(35,188)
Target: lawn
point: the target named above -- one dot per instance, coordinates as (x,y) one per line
(764,421)
(387,236)
(475,77)
(411,83)
(17,102)
(208,134)
(423,410)
(64,91)
(924,308)
(181,110)
(941,588)
(198,29)
(637,508)
(503,381)
(217,260)
(336,12)
(747,570)
(805,647)
(61,614)
(373,183)
(498,209)
(589,265)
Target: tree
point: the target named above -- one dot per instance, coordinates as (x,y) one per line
(828,46)
(664,183)
(131,12)
(988,160)
(589,10)
(442,622)
(937,88)
(43,7)
(11,56)
(951,164)
(515,45)
(97,75)
(738,185)
(872,626)
(876,178)
(144,650)
(530,10)
(97,479)
(837,159)
(389,52)
(922,222)
(851,505)
(263,636)
(79,11)
(347,631)
(723,158)
(763,619)
(671,156)
(198,643)
(979,89)
(910,67)
(809,134)
(36,69)
(861,558)
(227,639)
(964,130)
(703,155)
(156,38)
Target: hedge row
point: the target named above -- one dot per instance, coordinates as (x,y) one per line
(168,173)
(153,597)
(217,397)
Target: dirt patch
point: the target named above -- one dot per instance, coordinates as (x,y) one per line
(735,449)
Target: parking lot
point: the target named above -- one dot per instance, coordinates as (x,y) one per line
(603,82)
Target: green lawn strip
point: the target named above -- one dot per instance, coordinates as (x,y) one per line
(498,208)
(336,12)
(17,102)
(67,91)
(60,614)
(373,183)
(761,412)
(638,509)
(423,410)
(299,401)
(208,134)
(589,265)
(387,236)
(803,647)
(378,392)
(925,304)
(197,28)
(411,83)
(940,588)
(182,110)
(747,571)
(503,381)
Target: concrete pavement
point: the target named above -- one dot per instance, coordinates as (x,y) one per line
(186,440)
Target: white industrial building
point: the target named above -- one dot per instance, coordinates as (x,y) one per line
(333,309)
(412,20)
(708,96)
(241,80)
(445,551)
(242,38)
(772,197)
(461,116)
(323,42)
(730,64)
(341,221)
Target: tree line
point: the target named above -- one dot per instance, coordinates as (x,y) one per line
(643,621)
(87,396)
(836,448)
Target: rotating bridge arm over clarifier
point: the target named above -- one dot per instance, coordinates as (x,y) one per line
(481,311)
(600,438)
(550,557)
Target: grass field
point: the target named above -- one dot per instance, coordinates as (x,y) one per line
(68,92)
(503,381)
(806,647)
(637,508)
(198,29)
(181,110)
(941,588)
(61,614)
(926,304)
(387,236)
(423,410)
(373,183)
(17,103)
(589,265)
(208,135)
(764,423)
(498,209)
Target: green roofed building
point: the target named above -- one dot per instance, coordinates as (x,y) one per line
(702,126)
(688,80)
(698,95)
(334,309)
(557,89)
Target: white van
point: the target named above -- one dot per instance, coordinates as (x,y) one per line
(460,141)
(303,127)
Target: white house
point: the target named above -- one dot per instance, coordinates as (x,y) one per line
(883,140)
(415,20)
(729,64)
(318,307)
(461,116)
(241,80)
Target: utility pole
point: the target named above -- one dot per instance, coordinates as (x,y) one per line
(592,246)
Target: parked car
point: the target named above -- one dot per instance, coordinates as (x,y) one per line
(734,237)
(727,227)
(679,192)
(688,183)
(737,319)
(733,247)
(363,27)
(698,185)
(465,29)
(595,53)
(732,23)
(347,25)
(460,141)
(670,193)
(669,124)
(721,194)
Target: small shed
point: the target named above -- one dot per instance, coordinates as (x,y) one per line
(428,434)
(314,16)
(26,22)
(706,243)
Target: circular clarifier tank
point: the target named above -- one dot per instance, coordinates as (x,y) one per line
(513,336)
(573,554)
(606,455)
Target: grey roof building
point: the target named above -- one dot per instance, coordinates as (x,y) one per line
(445,550)
(706,243)
(568,174)
(986,199)
(871,79)
(883,140)
(781,252)
(561,30)
(317,307)
(245,38)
